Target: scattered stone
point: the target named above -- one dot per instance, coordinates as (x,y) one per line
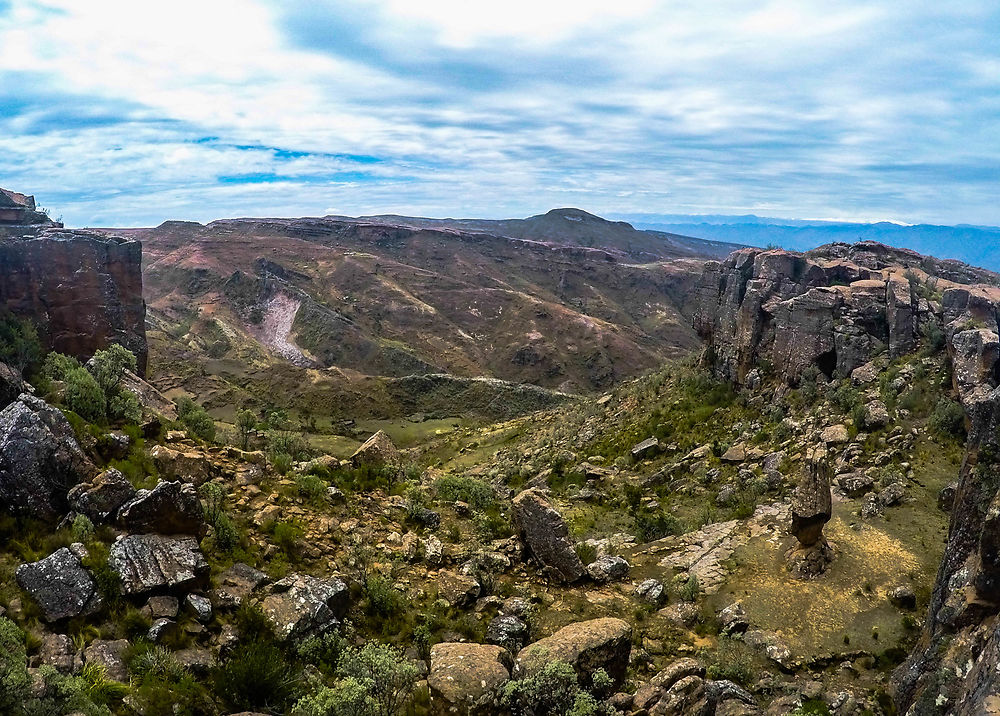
(169,508)
(114,446)
(646,449)
(377,451)
(733,619)
(149,562)
(60,586)
(874,416)
(855,484)
(509,632)
(771,646)
(58,652)
(587,646)
(300,606)
(101,498)
(163,607)
(683,614)
(650,693)
(650,591)
(39,459)
(546,535)
(433,550)
(465,678)
(891,495)
(737,453)
(195,660)
(458,590)
(160,629)
(871,506)
(608,569)
(946,497)
(865,374)
(200,607)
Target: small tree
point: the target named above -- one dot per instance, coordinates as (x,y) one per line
(108,368)
(246,427)
(388,676)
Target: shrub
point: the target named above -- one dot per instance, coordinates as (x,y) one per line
(323,651)
(14,679)
(281,462)
(312,489)
(586,552)
(733,661)
(948,419)
(227,537)
(386,674)
(20,347)
(82,529)
(347,697)
(196,419)
(83,395)
(454,488)
(124,407)
(246,427)
(689,589)
(652,525)
(286,536)
(256,676)
(553,690)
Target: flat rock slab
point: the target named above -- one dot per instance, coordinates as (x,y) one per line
(586,646)
(149,562)
(60,586)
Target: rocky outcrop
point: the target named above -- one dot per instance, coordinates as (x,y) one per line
(150,562)
(833,308)
(82,289)
(465,678)
(586,646)
(547,536)
(40,459)
(378,451)
(11,385)
(60,586)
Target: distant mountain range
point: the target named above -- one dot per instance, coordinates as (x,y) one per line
(977,245)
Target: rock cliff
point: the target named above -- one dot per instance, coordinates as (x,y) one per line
(82,289)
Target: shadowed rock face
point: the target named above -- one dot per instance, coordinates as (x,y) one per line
(81,288)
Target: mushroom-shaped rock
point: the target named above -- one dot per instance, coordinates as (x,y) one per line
(586,646)
(150,561)
(377,451)
(169,508)
(300,606)
(546,535)
(465,678)
(60,586)
(39,458)
(812,503)
(101,498)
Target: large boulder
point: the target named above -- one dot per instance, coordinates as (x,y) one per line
(101,498)
(191,466)
(151,562)
(586,646)
(39,459)
(546,535)
(377,451)
(169,508)
(300,606)
(60,586)
(465,678)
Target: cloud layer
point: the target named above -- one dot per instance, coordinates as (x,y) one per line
(119,113)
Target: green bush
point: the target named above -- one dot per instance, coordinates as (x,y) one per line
(553,690)
(948,419)
(652,525)
(82,528)
(454,488)
(323,651)
(386,674)
(246,427)
(14,679)
(734,661)
(286,536)
(83,395)
(256,676)
(20,347)
(281,462)
(689,589)
(312,489)
(347,697)
(196,419)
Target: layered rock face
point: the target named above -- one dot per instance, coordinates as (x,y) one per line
(834,308)
(82,289)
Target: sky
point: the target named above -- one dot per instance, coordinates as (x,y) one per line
(130,113)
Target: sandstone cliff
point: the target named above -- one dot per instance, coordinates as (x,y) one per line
(83,289)
(836,308)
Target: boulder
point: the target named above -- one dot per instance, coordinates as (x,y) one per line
(903,597)
(459,590)
(608,569)
(200,607)
(874,416)
(604,643)
(40,459)
(651,591)
(465,678)
(60,586)
(892,494)
(11,385)
(647,448)
(377,451)
(546,535)
(148,562)
(855,484)
(57,651)
(737,453)
(169,508)
(733,619)
(946,497)
(650,693)
(163,607)
(191,466)
(110,655)
(101,498)
(235,585)
(300,606)
(812,503)
(508,631)
(835,435)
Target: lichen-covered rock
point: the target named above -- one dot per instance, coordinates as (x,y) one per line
(651,591)
(40,459)
(608,568)
(646,448)
(466,678)
(101,498)
(235,585)
(60,586)
(169,508)
(508,631)
(377,451)
(874,416)
(300,606)
(587,646)
(855,484)
(650,693)
(149,562)
(459,590)
(546,535)
(110,655)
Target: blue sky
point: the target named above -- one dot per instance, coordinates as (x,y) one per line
(120,113)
